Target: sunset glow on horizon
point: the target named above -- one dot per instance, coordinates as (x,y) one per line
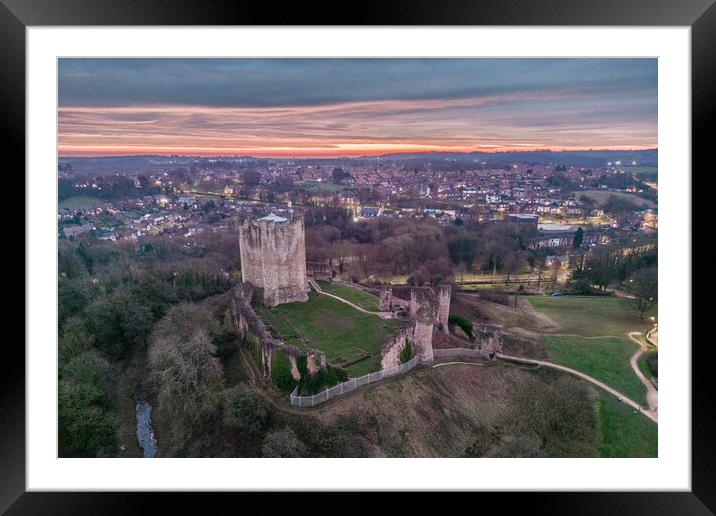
(353,107)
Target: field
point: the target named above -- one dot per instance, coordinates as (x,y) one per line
(81,201)
(337,329)
(606,359)
(601,196)
(625,433)
(591,316)
(642,170)
(320,186)
(359,297)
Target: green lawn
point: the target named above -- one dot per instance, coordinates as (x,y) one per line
(337,329)
(81,201)
(320,186)
(606,359)
(364,299)
(624,432)
(591,315)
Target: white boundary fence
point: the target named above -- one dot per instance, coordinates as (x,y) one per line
(353,383)
(460,352)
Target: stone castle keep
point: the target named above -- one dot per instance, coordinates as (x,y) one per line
(274,272)
(273,258)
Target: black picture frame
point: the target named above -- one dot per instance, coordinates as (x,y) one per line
(700,15)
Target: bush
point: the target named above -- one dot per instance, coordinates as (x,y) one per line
(462,322)
(281,372)
(245,410)
(283,444)
(406,353)
(324,378)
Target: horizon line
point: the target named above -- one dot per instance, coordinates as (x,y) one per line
(346,156)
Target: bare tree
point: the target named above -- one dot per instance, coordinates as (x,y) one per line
(644,285)
(183,366)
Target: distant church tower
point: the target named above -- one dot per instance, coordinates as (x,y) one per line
(273,257)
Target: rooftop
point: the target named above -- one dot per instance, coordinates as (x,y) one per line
(272,217)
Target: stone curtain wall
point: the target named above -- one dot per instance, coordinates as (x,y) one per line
(273,257)
(390,351)
(251,328)
(428,311)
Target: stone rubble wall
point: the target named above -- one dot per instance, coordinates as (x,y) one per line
(488,338)
(249,323)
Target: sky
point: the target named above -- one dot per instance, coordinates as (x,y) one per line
(353,107)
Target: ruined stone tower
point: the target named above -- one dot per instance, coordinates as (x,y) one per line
(273,258)
(443,309)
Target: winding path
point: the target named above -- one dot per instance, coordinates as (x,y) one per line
(652,395)
(651,414)
(382,315)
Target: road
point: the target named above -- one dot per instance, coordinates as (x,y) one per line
(648,413)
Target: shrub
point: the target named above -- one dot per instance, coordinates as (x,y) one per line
(283,444)
(245,409)
(407,352)
(324,378)
(281,372)
(462,322)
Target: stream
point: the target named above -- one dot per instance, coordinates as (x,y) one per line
(145,432)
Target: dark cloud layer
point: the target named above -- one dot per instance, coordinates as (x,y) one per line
(262,104)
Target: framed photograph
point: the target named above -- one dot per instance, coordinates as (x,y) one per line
(425,249)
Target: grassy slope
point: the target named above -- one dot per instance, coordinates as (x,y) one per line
(591,316)
(624,432)
(601,196)
(605,359)
(643,364)
(333,327)
(356,296)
